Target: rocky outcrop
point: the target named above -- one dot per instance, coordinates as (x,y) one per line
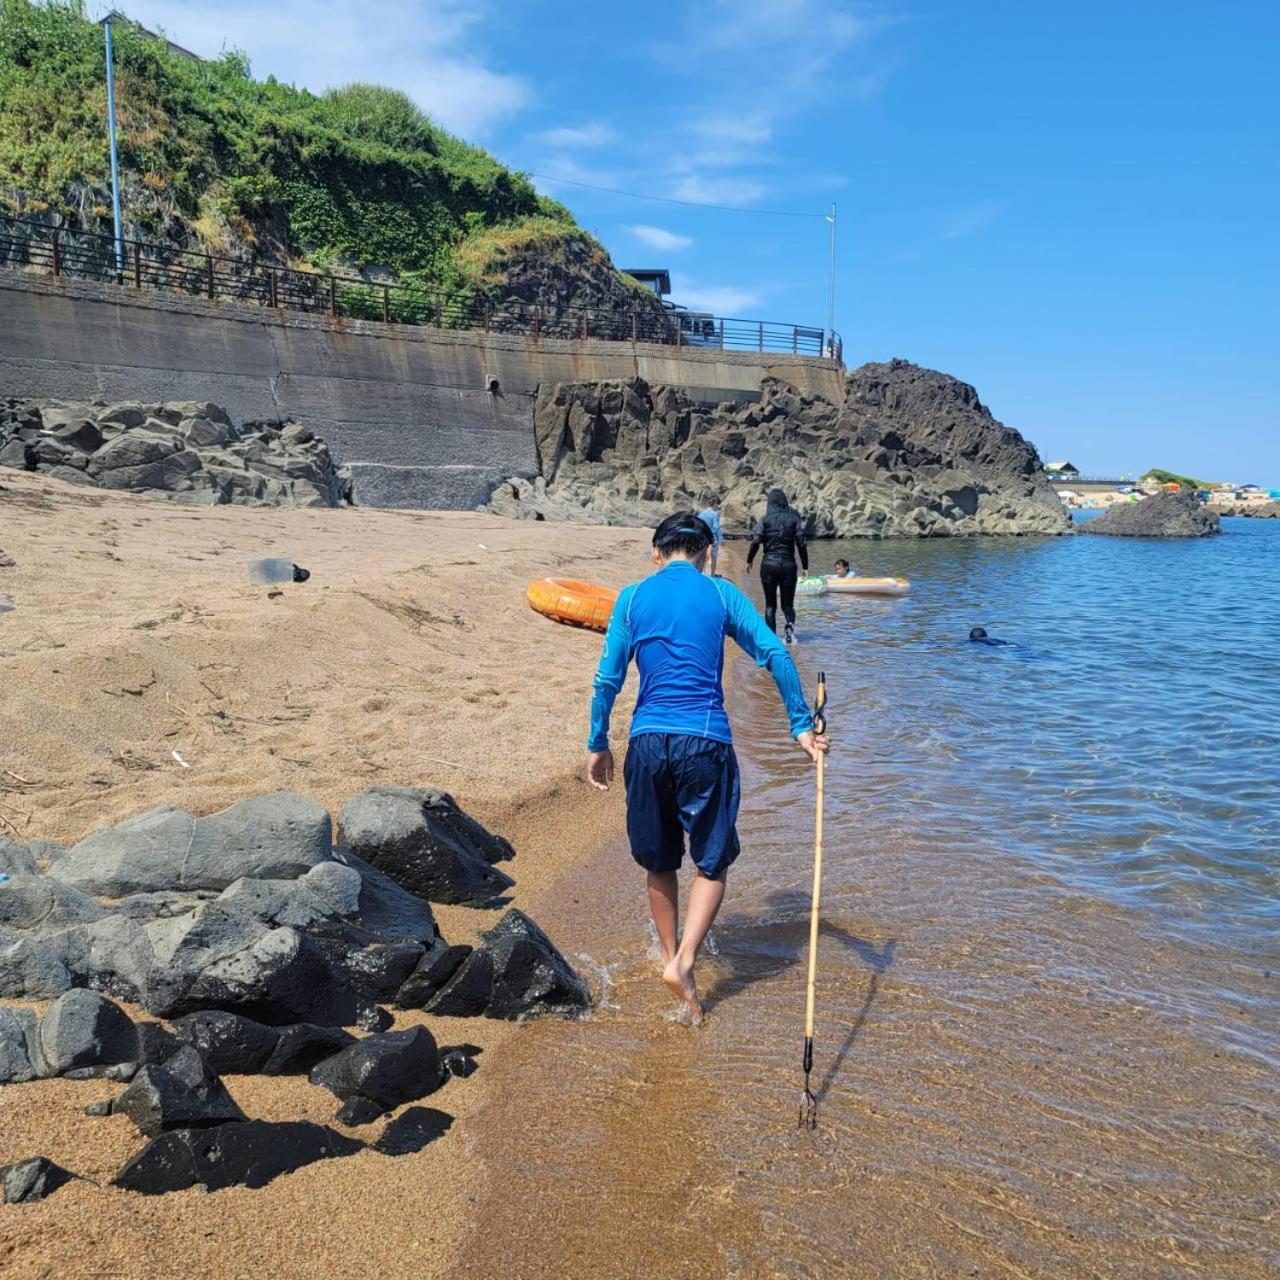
(254,913)
(566,279)
(1166,515)
(185,451)
(908,453)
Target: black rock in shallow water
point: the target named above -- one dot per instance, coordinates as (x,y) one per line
(246,1153)
(516,973)
(426,844)
(30,1180)
(179,1095)
(388,1069)
(1165,515)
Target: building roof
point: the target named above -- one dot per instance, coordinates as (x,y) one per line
(116,16)
(1064,465)
(651,275)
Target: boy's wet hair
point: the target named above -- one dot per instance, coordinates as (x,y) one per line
(684,533)
(842,563)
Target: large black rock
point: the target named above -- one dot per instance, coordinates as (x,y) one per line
(246,1153)
(529,975)
(386,1069)
(85,1031)
(435,969)
(303,1045)
(516,973)
(229,1043)
(426,844)
(179,1095)
(1165,515)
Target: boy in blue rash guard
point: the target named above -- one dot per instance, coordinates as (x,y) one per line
(681,773)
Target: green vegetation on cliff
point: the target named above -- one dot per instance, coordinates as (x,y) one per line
(1159,476)
(214,159)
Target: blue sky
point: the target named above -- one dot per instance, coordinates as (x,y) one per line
(1075,207)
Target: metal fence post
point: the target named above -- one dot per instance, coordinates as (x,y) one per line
(679,333)
(208,269)
(333,298)
(57,253)
(721,333)
(386,304)
(585,331)
(795,340)
(537,323)
(488,311)
(633,326)
(273,290)
(761,335)
(439,313)
(137,265)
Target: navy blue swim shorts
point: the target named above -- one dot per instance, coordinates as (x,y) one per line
(676,784)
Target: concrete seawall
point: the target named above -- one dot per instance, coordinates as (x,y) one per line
(408,408)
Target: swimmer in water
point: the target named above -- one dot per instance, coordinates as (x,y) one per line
(978,635)
(842,569)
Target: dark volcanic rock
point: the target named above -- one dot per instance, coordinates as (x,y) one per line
(31,1180)
(468,992)
(529,975)
(302,1046)
(908,452)
(182,1094)
(426,844)
(1166,515)
(185,452)
(387,1070)
(246,1153)
(436,968)
(516,973)
(229,1043)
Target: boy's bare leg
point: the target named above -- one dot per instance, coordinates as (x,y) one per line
(705,897)
(664,904)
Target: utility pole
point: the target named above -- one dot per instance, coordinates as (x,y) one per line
(831,280)
(115,156)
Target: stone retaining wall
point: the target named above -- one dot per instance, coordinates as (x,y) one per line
(388,395)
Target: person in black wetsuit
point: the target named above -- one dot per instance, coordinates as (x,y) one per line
(978,635)
(781,533)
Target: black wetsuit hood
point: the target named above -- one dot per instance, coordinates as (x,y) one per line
(780,531)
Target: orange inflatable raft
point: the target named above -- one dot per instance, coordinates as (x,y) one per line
(581,604)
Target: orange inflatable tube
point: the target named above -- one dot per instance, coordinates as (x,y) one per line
(581,604)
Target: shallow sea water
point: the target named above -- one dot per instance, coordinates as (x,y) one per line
(1048,1032)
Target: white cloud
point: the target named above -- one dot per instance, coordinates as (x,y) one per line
(720,300)
(658,238)
(594,134)
(976,217)
(718,190)
(753,129)
(433,50)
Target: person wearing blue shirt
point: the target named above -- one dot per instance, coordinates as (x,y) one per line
(710,514)
(681,773)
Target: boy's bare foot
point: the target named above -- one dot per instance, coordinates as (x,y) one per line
(680,981)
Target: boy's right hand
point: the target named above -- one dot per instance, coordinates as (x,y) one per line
(813,744)
(600,769)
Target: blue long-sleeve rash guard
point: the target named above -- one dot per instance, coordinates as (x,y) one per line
(674,624)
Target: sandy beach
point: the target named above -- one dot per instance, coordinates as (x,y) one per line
(409,657)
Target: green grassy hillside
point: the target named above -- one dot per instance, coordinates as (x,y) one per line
(214,159)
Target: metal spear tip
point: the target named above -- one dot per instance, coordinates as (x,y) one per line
(808,1110)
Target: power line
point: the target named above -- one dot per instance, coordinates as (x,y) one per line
(692,204)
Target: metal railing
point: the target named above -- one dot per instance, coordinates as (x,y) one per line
(64,252)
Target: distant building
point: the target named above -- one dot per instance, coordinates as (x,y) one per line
(1060,470)
(116,16)
(656,279)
